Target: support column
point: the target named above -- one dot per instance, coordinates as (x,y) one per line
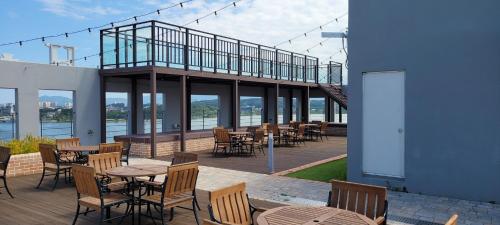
(328,108)
(305,105)
(276,99)
(235,105)
(102,92)
(290,105)
(133,106)
(188,104)
(266,105)
(152,91)
(340,114)
(183,110)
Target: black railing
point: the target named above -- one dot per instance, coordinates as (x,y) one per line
(155,43)
(8,129)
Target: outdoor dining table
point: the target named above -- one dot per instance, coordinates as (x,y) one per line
(80,148)
(237,139)
(135,171)
(312,216)
(286,134)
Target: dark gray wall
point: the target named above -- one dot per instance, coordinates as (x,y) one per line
(450,50)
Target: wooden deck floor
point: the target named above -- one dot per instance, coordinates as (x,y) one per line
(285,157)
(44,207)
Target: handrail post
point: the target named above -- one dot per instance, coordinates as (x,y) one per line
(341,80)
(277,64)
(153,43)
(239,59)
(304,71)
(317,71)
(186,50)
(290,74)
(329,73)
(215,54)
(117,48)
(134,45)
(101,46)
(259,63)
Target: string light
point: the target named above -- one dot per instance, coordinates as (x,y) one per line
(312,30)
(212,13)
(89,29)
(318,44)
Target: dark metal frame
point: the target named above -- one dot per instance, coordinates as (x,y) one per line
(3,166)
(67,172)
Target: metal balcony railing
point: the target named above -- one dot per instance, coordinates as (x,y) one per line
(154,43)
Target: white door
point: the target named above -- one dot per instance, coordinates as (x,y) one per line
(383,123)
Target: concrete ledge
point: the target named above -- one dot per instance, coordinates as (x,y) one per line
(283,173)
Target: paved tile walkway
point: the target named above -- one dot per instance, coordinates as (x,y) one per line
(404,208)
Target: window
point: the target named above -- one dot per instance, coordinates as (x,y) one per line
(56,113)
(339,118)
(116,114)
(8,122)
(294,109)
(317,109)
(281,110)
(204,112)
(146,109)
(250,111)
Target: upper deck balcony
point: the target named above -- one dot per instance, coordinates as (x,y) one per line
(154,43)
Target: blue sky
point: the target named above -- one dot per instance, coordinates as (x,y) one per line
(261,21)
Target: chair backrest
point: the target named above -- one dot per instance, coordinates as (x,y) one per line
(180,179)
(324,126)
(230,205)
(275,128)
(222,136)
(104,161)
(4,158)
(252,129)
(110,147)
(85,181)
(184,157)
(259,135)
(453,220)
(48,153)
(302,130)
(67,142)
(364,199)
(216,128)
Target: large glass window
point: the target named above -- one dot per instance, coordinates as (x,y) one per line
(294,109)
(56,113)
(116,114)
(317,109)
(204,112)
(160,112)
(281,110)
(250,111)
(8,125)
(339,118)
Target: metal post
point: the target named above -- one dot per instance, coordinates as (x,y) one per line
(133,107)
(259,62)
(102,90)
(134,44)
(270,151)
(183,113)
(290,74)
(101,47)
(304,76)
(152,86)
(316,71)
(240,66)
(215,54)
(186,51)
(236,105)
(153,45)
(277,64)
(117,48)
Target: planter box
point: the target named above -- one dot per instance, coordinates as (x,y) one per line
(25,164)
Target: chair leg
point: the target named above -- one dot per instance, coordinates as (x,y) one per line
(77,213)
(56,178)
(196,201)
(41,179)
(6,187)
(172,214)
(162,216)
(140,213)
(101,217)
(86,211)
(195,213)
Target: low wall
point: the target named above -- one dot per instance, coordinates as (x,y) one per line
(25,164)
(337,130)
(143,150)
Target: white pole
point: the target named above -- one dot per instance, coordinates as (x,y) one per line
(270,151)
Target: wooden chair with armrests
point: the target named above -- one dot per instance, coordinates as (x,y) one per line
(367,200)
(222,141)
(51,162)
(300,135)
(103,162)
(4,163)
(453,220)
(68,157)
(231,205)
(257,142)
(92,195)
(111,147)
(323,129)
(126,145)
(177,190)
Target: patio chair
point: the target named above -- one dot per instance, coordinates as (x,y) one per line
(231,205)
(257,142)
(103,162)
(177,189)
(222,141)
(453,220)
(126,145)
(367,200)
(92,195)
(51,162)
(300,135)
(4,163)
(276,132)
(111,147)
(68,157)
(322,130)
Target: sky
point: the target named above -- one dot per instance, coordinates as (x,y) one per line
(267,22)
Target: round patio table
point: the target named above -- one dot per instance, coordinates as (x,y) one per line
(81,148)
(142,170)
(312,216)
(239,133)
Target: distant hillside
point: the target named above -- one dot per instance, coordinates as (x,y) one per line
(116,100)
(59,100)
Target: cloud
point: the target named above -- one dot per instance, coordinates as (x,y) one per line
(77,9)
(270,22)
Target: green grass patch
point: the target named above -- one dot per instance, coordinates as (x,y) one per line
(324,172)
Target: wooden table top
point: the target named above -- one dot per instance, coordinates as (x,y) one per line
(236,133)
(81,148)
(143,170)
(285,128)
(290,215)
